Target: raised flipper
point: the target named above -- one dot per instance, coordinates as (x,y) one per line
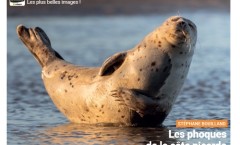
(136,101)
(112,64)
(38,44)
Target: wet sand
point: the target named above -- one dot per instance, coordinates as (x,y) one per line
(117,7)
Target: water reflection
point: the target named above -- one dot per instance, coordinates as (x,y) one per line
(89,134)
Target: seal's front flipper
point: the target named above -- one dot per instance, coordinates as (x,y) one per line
(136,101)
(112,64)
(38,44)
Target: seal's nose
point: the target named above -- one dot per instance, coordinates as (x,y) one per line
(182,24)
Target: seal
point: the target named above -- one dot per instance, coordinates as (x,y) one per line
(137,87)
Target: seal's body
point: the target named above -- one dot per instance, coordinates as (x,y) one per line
(136,87)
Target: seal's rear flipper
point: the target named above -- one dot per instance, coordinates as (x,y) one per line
(44,36)
(38,44)
(136,101)
(112,64)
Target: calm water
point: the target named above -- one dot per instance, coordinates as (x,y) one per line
(33,118)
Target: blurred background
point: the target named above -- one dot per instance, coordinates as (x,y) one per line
(123,7)
(88,33)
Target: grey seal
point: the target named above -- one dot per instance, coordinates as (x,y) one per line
(137,87)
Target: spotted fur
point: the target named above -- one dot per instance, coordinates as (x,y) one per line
(135,87)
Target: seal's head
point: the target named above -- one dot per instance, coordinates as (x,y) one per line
(181,32)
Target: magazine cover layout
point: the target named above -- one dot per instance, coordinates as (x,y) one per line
(115,72)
